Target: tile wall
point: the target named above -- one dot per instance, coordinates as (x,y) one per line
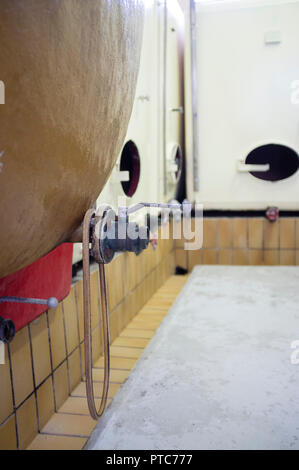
(244,241)
(45,361)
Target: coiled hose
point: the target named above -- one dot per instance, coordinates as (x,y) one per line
(95,414)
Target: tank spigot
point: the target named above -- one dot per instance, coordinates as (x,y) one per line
(135,239)
(112,234)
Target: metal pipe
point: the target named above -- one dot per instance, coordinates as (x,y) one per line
(165,49)
(194,88)
(51,302)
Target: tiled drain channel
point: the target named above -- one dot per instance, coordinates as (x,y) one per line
(70,428)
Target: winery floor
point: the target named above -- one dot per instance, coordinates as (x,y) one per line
(71,426)
(222,371)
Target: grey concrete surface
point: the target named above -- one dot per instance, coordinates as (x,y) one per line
(218,373)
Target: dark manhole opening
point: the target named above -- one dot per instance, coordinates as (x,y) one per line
(283,161)
(130,161)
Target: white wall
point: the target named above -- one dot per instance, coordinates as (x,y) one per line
(244,100)
(174,92)
(146,125)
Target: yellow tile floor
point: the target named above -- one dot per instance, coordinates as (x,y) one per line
(70,428)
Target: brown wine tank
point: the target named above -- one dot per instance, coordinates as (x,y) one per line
(69,69)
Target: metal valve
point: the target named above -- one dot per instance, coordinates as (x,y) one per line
(111,233)
(136,240)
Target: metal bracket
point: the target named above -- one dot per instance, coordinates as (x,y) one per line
(51,302)
(243,167)
(177,110)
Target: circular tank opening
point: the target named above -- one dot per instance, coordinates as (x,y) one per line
(283,161)
(130,161)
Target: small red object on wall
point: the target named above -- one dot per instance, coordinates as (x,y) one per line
(272,214)
(50,276)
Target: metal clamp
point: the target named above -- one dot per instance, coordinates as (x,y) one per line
(177,110)
(144,98)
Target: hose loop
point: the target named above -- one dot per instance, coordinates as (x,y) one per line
(95,414)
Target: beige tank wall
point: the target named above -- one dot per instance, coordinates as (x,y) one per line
(70,71)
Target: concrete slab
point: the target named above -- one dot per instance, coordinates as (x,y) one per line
(218,373)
